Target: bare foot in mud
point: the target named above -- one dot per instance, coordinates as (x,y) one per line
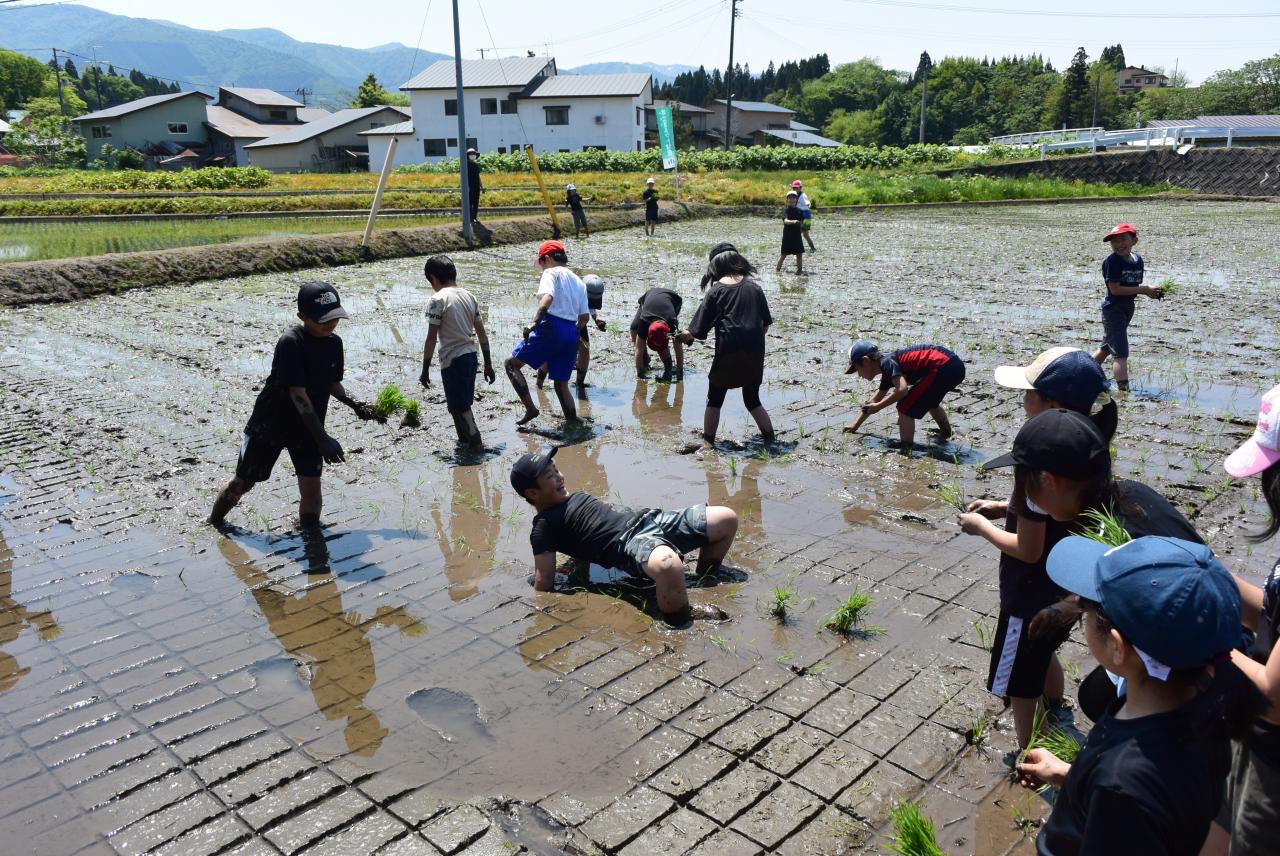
(529,416)
(707,612)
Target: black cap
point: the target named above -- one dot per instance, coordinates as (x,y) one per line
(525,472)
(319,301)
(1061,442)
(722,247)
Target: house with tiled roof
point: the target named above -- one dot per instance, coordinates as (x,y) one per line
(513,101)
(332,143)
(242,116)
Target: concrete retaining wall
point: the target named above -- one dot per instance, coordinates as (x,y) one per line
(1236,171)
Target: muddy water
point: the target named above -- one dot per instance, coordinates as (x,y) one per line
(406,648)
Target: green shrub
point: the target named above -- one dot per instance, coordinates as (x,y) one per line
(140,180)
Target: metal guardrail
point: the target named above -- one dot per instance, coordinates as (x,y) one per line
(1172,137)
(1034,137)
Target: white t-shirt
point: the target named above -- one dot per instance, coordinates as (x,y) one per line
(455,312)
(803,202)
(568,294)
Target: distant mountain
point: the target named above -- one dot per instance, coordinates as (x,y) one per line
(202,59)
(661,73)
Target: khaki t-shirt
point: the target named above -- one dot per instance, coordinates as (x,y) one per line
(455,312)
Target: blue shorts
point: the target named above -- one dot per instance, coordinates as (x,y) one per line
(555,343)
(1115,328)
(683,531)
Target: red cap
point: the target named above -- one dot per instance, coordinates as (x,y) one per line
(547,247)
(658,333)
(796,184)
(1122,229)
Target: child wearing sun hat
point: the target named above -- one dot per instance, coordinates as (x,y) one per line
(1122,272)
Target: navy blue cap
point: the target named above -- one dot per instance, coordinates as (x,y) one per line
(861,348)
(525,471)
(1067,375)
(319,301)
(1172,599)
(1058,441)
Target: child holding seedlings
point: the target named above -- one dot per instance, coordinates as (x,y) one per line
(736,309)
(1249,820)
(574,200)
(806,211)
(1022,669)
(553,336)
(289,413)
(650,207)
(1122,272)
(916,378)
(792,242)
(646,543)
(595,302)
(454,325)
(656,323)
(1163,614)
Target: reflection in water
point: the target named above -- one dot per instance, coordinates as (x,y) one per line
(13,617)
(474,524)
(745,500)
(653,407)
(313,628)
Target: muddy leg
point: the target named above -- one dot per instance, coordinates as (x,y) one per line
(467,430)
(1055,682)
(1120,371)
(764,423)
(781,259)
(584,361)
(309,500)
(642,364)
(1024,713)
(541,377)
(944,424)
(667,571)
(808,238)
(460,428)
(906,431)
(799,263)
(230,494)
(516,376)
(722,526)
(566,401)
(710,424)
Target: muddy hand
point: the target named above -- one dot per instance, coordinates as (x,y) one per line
(425,379)
(331,451)
(971,523)
(1055,618)
(489,375)
(366,412)
(988,508)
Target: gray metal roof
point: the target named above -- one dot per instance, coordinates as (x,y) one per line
(515,72)
(5,127)
(329,123)
(591,86)
(802,138)
(139,104)
(757,106)
(262,97)
(390,130)
(801,126)
(678,106)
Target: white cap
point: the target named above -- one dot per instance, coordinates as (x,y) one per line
(1025,377)
(570,187)
(651,181)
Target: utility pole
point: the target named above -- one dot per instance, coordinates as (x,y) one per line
(57,73)
(924,94)
(97,75)
(728,78)
(1097,88)
(303,94)
(482,50)
(464,162)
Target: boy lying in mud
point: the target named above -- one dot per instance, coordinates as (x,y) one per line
(643,542)
(289,413)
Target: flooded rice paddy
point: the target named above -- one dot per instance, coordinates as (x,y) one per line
(398,687)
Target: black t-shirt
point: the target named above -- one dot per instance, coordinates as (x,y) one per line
(313,362)
(659,304)
(473,175)
(1269,623)
(575,200)
(1145,786)
(1025,587)
(583,527)
(651,199)
(1126,271)
(738,313)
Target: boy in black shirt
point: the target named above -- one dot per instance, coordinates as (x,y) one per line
(643,542)
(290,410)
(656,323)
(1122,272)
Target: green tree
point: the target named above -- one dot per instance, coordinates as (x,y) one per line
(48,140)
(70,68)
(370,93)
(21,78)
(1069,102)
(853,128)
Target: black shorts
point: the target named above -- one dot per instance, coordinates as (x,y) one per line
(459,381)
(928,392)
(1115,329)
(651,213)
(1019,664)
(259,453)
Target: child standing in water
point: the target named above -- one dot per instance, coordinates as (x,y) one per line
(915,378)
(806,211)
(792,241)
(650,208)
(1122,271)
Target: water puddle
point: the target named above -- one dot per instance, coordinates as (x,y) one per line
(134,582)
(451,714)
(531,829)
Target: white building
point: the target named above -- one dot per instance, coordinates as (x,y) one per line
(329,144)
(511,102)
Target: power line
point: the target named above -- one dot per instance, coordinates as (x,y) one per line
(418,46)
(990,10)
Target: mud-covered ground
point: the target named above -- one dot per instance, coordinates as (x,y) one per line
(403,690)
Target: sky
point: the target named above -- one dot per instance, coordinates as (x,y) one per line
(1207,37)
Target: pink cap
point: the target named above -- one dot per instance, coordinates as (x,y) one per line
(796,184)
(1263,448)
